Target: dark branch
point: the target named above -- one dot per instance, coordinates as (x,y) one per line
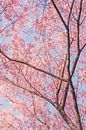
(83,47)
(78,26)
(70,11)
(76,106)
(80,10)
(60,83)
(76,60)
(65,96)
(59,14)
(29,65)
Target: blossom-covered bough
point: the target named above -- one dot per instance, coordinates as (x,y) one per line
(42,64)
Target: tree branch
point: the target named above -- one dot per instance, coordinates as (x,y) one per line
(77,59)
(29,65)
(59,13)
(59,108)
(78,26)
(80,10)
(60,82)
(65,96)
(70,11)
(76,106)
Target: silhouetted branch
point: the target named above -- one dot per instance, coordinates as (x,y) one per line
(29,65)
(76,60)
(70,11)
(59,13)
(78,26)
(60,82)
(65,96)
(78,119)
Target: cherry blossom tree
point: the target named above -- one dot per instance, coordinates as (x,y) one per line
(42,64)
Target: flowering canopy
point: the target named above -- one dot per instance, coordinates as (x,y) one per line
(42,64)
